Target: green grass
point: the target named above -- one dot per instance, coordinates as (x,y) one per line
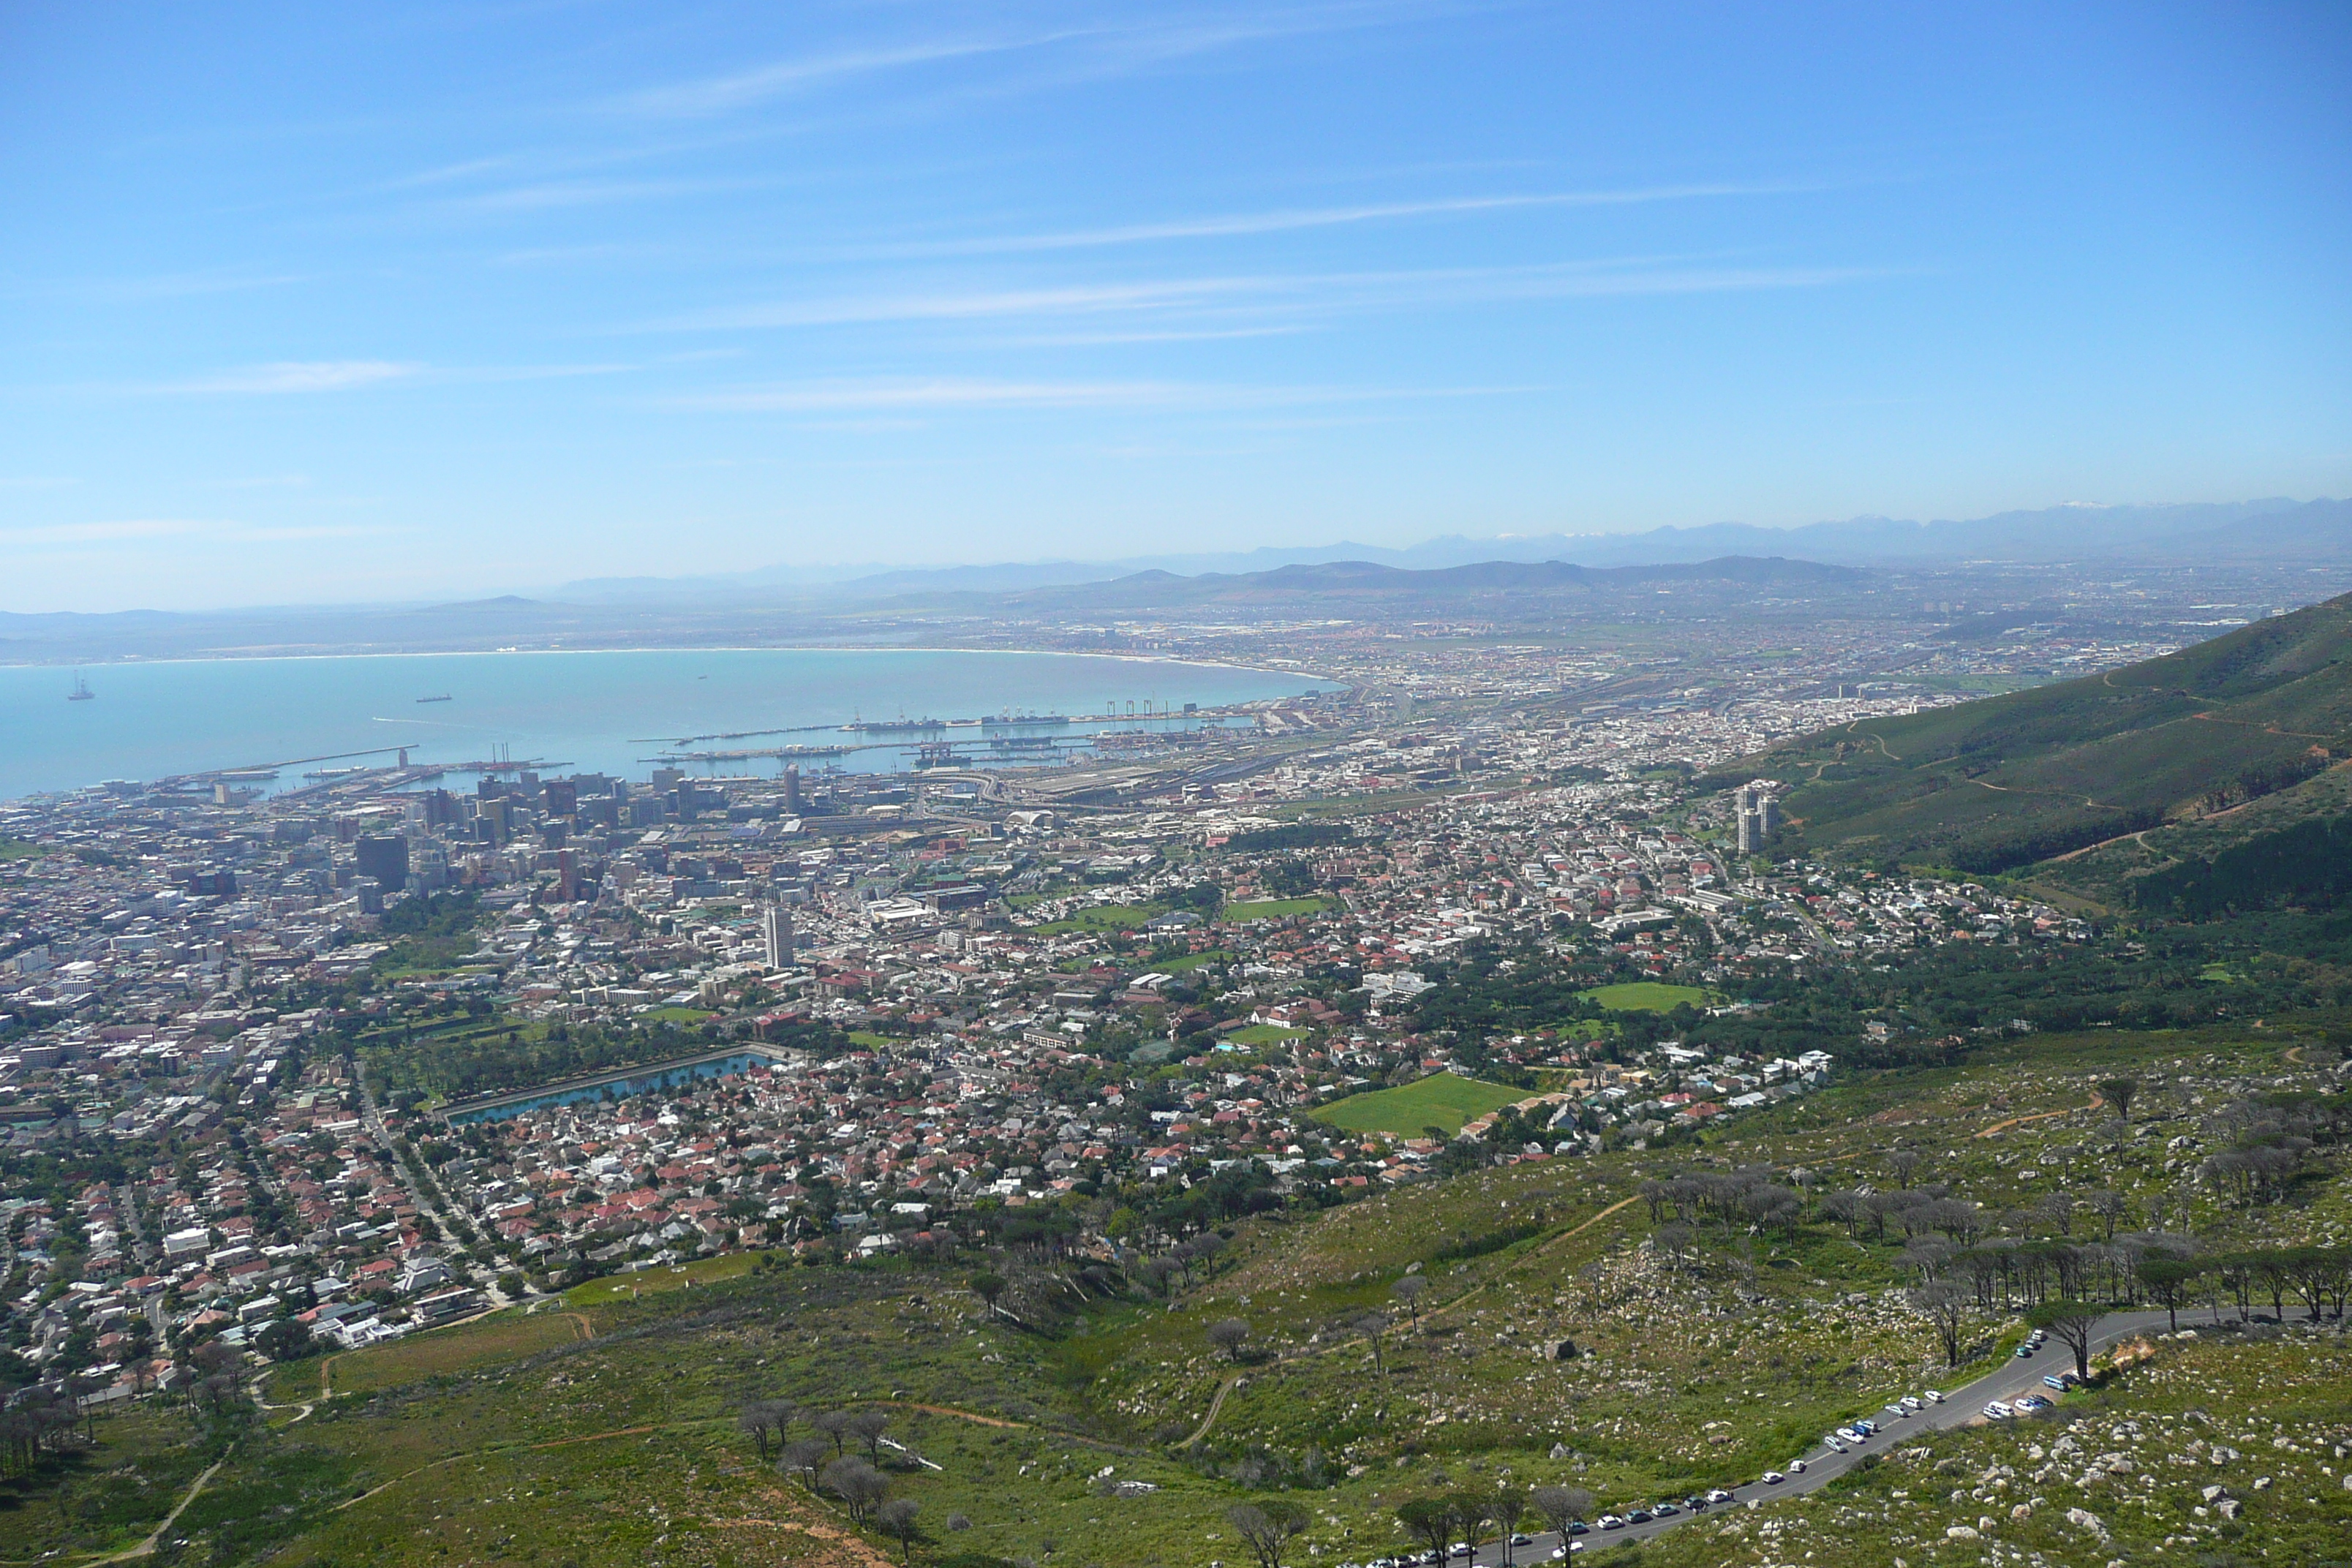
(1647,997)
(1272,909)
(654,1281)
(1442,1099)
(1263,1035)
(1193,960)
(18,849)
(1099,918)
(439,1352)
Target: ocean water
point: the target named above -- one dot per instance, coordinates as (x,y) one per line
(585,712)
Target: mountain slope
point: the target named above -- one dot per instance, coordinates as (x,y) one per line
(1988,787)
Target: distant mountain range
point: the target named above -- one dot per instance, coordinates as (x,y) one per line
(2205,532)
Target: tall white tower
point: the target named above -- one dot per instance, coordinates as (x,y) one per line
(776,932)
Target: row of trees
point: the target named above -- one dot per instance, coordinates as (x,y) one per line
(1438,1521)
(824,1463)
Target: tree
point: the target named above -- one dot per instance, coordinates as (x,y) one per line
(1473,1516)
(1409,1291)
(761,1416)
(988,1288)
(898,1516)
(1229,1334)
(1428,1520)
(833,1424)
(286,1339)
(1372,1325)
(2110,1206)
(1903,1162)
(1267,1528)
(1675,1243)
(2073,1323)
(804,1457)
(1944,1303)
(858,1485)
(2167,1280)
(1509,1505)
(2119,1092)
(867,1426)
(1561,1505)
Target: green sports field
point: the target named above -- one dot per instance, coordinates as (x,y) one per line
(1442,1099)
(1648,996)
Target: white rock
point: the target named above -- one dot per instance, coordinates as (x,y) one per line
(1960,1532)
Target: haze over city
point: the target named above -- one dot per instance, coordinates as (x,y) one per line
(426,301)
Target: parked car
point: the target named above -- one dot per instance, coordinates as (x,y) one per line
(1852,1434)
(1639,1516)
(1934,1396)
(1910,1404)
(1796,1467)
(1695,1504)
(1998,1411)
(1611,1522)
(1718,1495)
(1519,1540)
(1834,1444)
(1578,1527)
(2034,1402)
(2025,1352)
(1665,1509)
(1773,1478)
(1867,1428)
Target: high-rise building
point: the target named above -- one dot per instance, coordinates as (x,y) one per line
(776,932)
(384,857)
(792,787)
(1751,838)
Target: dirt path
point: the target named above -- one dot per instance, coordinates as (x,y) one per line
(1214,1406)
(147,1547)
(950,1411)
(2038,1116)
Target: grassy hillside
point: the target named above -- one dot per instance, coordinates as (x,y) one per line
(1991,785)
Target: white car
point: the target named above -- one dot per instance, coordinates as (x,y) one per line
(1851,1436)
(2000,1411)
(1933,1396)
(1773,1478)
(1796,1467)
(1911,1404)
(1834,1443)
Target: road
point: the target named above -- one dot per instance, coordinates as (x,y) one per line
(479,1276)
(1961,1406)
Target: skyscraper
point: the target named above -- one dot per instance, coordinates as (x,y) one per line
(776,930)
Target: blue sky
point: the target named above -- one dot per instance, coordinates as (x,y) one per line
(304,303)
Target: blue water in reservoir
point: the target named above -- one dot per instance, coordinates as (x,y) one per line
(577,711)
(619,1088)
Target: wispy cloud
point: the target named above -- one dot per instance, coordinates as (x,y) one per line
(1081,52)
(300,376)
(1292,293)
(914,394)
(1290,220)
(740,90)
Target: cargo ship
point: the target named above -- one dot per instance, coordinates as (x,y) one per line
(81,691)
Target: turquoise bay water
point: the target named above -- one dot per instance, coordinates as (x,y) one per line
(589,712)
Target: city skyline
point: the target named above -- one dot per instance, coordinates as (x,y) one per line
(470,300)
